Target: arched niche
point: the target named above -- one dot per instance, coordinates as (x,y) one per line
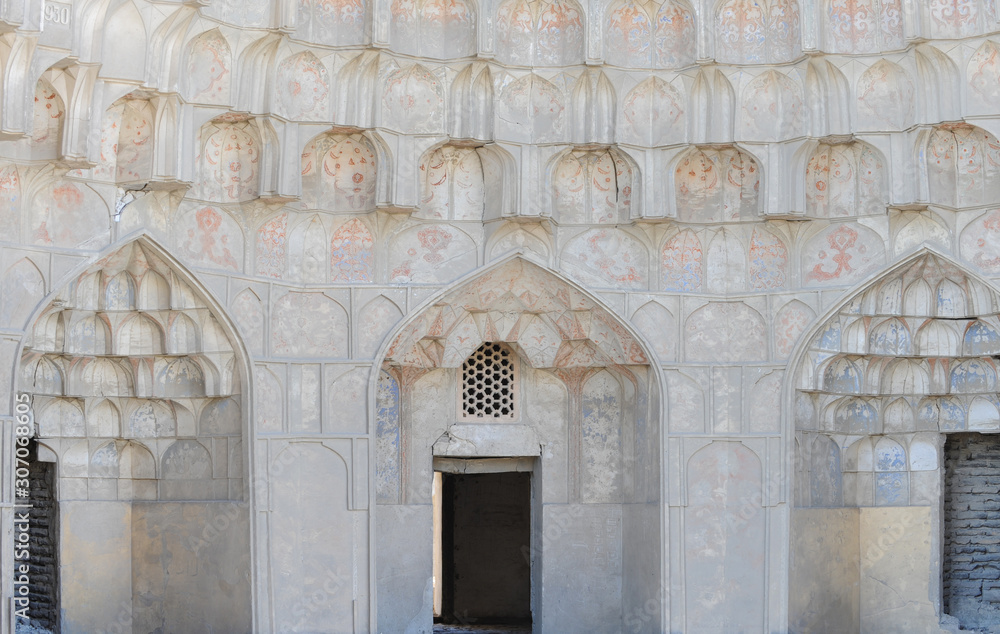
(875,386)
(127,143)
(757,31)
(231,160)
(962,165)
(434,29)
(138,380)
(593,186)
(540,33)
(716,184)
(654,35)
(585,424)
(865,26)
(465,181)
(339,172)
(845,179)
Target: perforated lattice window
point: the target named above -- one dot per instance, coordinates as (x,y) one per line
(488,382)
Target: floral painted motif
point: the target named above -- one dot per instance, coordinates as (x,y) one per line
(742,32)
(865,26)
(845,180)
(230,170)
(716,185)
(981,243)
(305,87)
(790,323)
(126,142)
(954,18)
(541,33)
(271,240)
(49,114)
(963,166)
(674,38)
(453,185)
(607,257)
(68,215)
(783,30)
(592,187)
(852,26)
(209,241)
(433,28)
(654,113)
(352,252)
(413,101)
(333,22)
(209,61)
(428,253)
(338,173)
(755,31)
(842,253)
(984,75)
(841,241)
(768,261)
(628,36)
(434,240)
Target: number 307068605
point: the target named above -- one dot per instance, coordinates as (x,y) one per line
(57,13)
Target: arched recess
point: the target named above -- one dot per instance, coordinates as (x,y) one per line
(875,386)
(593,185)
(586,424)
(465,181)
(137,379)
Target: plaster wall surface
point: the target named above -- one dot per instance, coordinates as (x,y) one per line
(896,594)
(247,247)
(825,580)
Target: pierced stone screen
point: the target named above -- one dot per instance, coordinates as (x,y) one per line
(488,383)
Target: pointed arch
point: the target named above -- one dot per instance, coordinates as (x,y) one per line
(303,87)
(340,172)
(902,339)
(588,351)
(209,67)
(593,186)
(470,113)
(124,57)
(119,380)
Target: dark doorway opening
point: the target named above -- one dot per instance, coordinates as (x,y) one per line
(971,566)
(485,549)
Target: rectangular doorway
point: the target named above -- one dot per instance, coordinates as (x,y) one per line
(482,549)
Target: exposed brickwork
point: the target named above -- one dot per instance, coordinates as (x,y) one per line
(971,572)
(44,584)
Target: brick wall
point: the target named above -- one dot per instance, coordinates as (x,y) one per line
(971,570)
(44,567)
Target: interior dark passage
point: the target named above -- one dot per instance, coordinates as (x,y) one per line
(485,542)
(971,566)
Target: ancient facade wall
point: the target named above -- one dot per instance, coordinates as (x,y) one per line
(716,174)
